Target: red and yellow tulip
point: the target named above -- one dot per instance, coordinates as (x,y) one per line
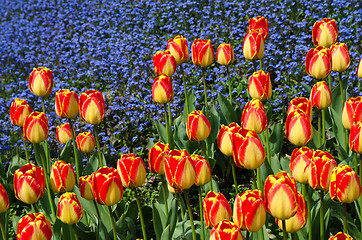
(355,137)
(41,81)
(91,106)
(254,116)
(70,211)
(302,104)
(225,54)
(352,112)
(340,57)
(359,69)
(260,85)
(179,49)
(320,96)
(34,226)
(132,170)
(4,199)
(19,109)
(225,230)
(156,157)
(224,138)
(345,186)
(85,187)
(162,91)
(261,24)
(299,161)
(164,63)
(198,126)
(253,45)
(341,236)
(325,32)
(318,62)
(298,129)
(64,133)
(62,177)
(203,170)
(216,208)
(202,52)
(85,142)
(36,128)
(66,103)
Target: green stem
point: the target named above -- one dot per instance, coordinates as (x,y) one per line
(267,145)
(345,226)
(185,90)
(190,215)
(247,235)
(321,215)
(113,224)
(323,127)
(43,104)
(319,131)
(360,181)
(140,213)
(234,176)
(169,115)
(98,146)
(203,145)
(75,232)
(293,236)
(3,228)
(96,207)
(330,81)
(26,150)
(341,87)
(284,230)
(205,92)
(255,65)
(71,232)
(261,64)
(36,209)
(180,203)
(164,193)
(166,121)
(356,162)
(46,141)
(307,199)
(201,215)
(229,80)
(259,179)
(254,179)
(75,150)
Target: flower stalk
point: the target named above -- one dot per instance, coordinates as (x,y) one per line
(75,150)
(190,215)
(163,181)
(98,146)
(113,223)
(26,150)
(234,176)
(321,215)
(201,214)
(185,90)
(140,213)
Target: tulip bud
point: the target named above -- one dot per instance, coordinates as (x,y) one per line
(4,199)
(224,138)
(298,128)
(66,103)
(320,96)
(359,69)
(340,57)
(260,85)
(281,195)
(352,112)
(325,32)
(164,63)
(41,81)
(91,106)
(345,186)
(216,208)
(254,116)
(249,211)
(62,177)
(202,52)
(85,187)
(341,236)
(85,142)
(198,126)
(156,157)
(226,230)
(253,45)
(34,226)
(303,104)
(162,91)
(36,128)
(132,170)
(225,54)
(18,111)
(64,133)
(203,170)
(70,211)
(355,137)
(299,161)
(259,23)
(179,49)
(318,62)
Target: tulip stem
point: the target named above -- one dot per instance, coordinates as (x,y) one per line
(205,91)
(284,230)
(166,121)
(201,215)
(204,149)
(342,96)
(247,235)
(180,203)
(261,64)
(75,232)
(229,80)
(46,141)
(254,179)
(190,215)
(319,131)
(71,232)
(321,215)
(234,176)
(98,146)
(360,181)
(96,206)
(26,150)
(164,193)
(185,90)
(75,150)
(267,145)
(255,65)
(113,224)
(356,162)
(345,226)
(330,81)
(307,199)
(36,209)
(140,213)
(323,127)
(169,114)
(3,228)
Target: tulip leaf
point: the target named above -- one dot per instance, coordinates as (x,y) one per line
(191,104)
(57,230)
(157,220)
(182,140)
(338,129)
(314,142)
(226,109)
(284,162)
(276,138)
(166,234)
(308,88)
(84,232)
(215,187)
(265,171)
(66,152)
(103,234)
(215,126)
(161,130)
(172,217)
(16,163)
(45,205)
(275,164)
(92,165)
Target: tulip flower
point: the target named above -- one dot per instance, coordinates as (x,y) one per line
(325,32)
(164,63)
(355,137)
(91,106)
(36,128)
(320,96)
(249,212)
(179,49)
(352,112)
(341,236)
(132,170)
(302,104)
(318,62)
(64,133)
(85,142)
(260,85)
(4,199)
(66,103)
(156,157)
(19,109)
(254,116)
(202,52)
(62,177)
(162,91)
(261,24)
(340,57)
(345,186)
(107,186)
(299,161)
(29,183)
(203,170)
(34,226)
(359,69)
(298,128)
(198,126)
(225,54)
(226,230)
(41,81)
(281,195)
(70,211)
(216,208)
(224,138)
(85,187)
(253,45)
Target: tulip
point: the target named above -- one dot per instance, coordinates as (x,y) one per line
(203,170)
(198,126)
(64,133)
(259,23)
(132,170)
(85,187)
(224,138)
(225,54)
(62,177)
(202,52)
(91,106)
(320,96)
(66,103)
(85,142)
(162,91)
(4,199)
(180,169)
(355,137)
(341,236)
(359,69)
(325,32)
(41,81)
(253,45)
(164,63)
(107,186)
(298,128)
(302,104)
(29,183)
(70,211)
(340,57)
(179,49)
(299,161)
(352,112)
(254,116)
(216,208)
(281,195)
(34,226)
(298,221)
(260,85)
(36,128)
(318,62)
(249,211)
(156,157)
(19,109)
(248,151)
(226,230)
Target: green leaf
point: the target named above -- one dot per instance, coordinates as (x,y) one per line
(191,104)
(45,205)
(338,128)
(84,232)
(215,187)
(157,220)
(16,162)
(182,140)
(215,126)
(308,88)
(276,138)
(92,165)
(226,109)
(166,234)
(161,130)
(66,152)
(275,164)
(172,217)
(103,234)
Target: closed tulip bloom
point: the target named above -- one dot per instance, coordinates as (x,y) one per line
(216,208)
(64,133)
(301,103)
(260,85)
(355,137)
(248,151)
(132,170)
(36,128)
(107,186)
(249,212)
(70,211)
(41,81)
(345,186)
(156,157)
(203,170)
(253,45)
(325,32)
(179,49)
(62,177)
(180,169)
(298,221)
(4,199)
(359,69)
(259,23)
(29,183)
(226,230)
(341,236)
(298,129)
(254,116)
(320,170)
(91,106)
(299,161)
(85,187)
(340,57)
(202,52)
(318,62)
(224,138)
(164,63)
(281,195)
(320,96)
(85,142)
(162,91)
(19,109)
(66,103)
(34,226)
(198,126)
(225,54)
(352,112)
